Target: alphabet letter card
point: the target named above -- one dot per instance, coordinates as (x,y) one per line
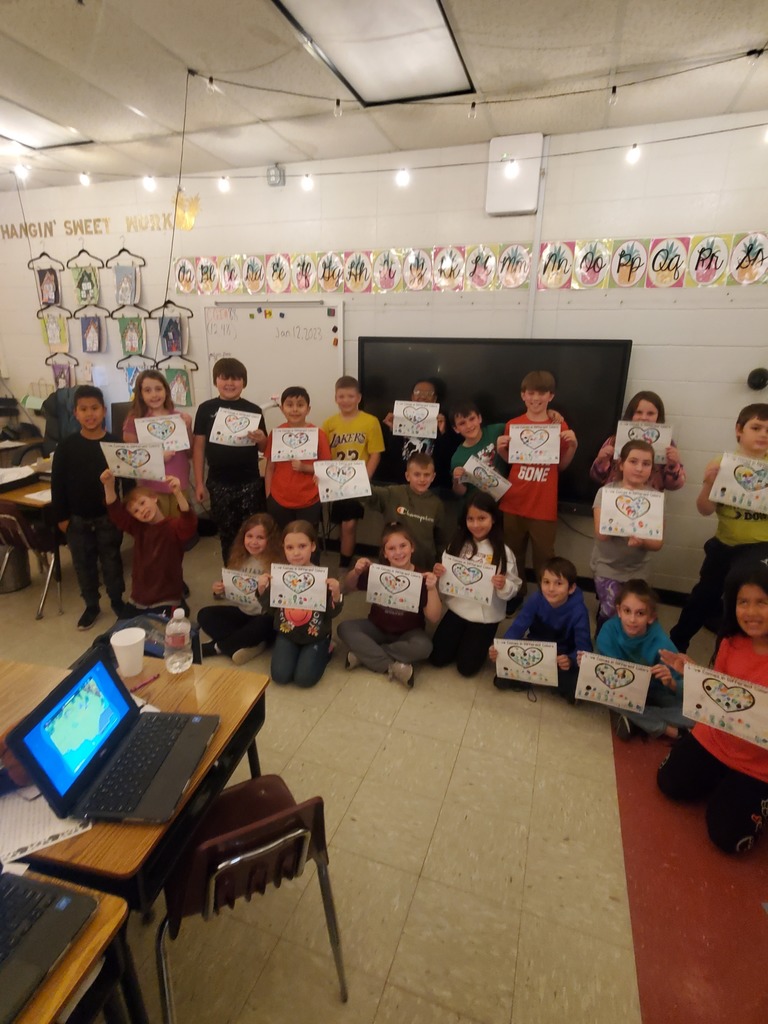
(394,588)
(726,703)
(539,444)
(529,661)
(415,419)
(742,483)
(658,435)
(290,443)
(621,684)
(299,586)
(231,427)
(337,479)
(463,578)
(485,478)
(169,431)
(627,513)
(241,587)
(135,461)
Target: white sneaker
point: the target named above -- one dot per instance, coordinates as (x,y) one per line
(246,654)
(401,673)
(352,660)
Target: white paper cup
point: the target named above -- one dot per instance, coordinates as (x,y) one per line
(128,645)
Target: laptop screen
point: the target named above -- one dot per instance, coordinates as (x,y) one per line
(66,740)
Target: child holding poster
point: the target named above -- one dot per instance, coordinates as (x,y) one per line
(741,536)
(618,559)
(390,640)
(303,637)
(730,772)
(555,613)
(644,407)
(635,634)
(242,631)
(152,397)
(468,626)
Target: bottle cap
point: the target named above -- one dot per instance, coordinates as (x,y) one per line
(178,613)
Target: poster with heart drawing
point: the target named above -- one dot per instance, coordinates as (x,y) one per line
(394,588)
(726,703)
(529,661)
(337,479)
(299,586)
(622,684)
(290,443)
(463,578)
(231,427)
(241,587)
(135,461)
(741,483)
(415,419)
(658,435)
(628,513)
(530,443)
(485,478)
(169,431)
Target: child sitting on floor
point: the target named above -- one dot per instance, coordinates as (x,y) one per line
(158,542)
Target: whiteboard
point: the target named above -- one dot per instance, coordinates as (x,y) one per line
(281,344)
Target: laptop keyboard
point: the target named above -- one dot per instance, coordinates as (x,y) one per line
(131,773)
(21,906)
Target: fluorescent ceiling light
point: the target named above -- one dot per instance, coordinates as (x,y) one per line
(383,52)
(34,131)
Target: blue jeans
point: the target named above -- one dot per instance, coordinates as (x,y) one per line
(302,664)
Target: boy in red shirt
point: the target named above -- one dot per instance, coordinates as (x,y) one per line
(530,505)
(158,543)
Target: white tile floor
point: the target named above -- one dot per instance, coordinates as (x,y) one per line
(476,855)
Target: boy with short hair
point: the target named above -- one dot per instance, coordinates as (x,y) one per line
(478,440)
(352,434)
(557,613)
(158,542)
(234,482)
(741,536)
(78,506)
(415,506)
(530,505)
(291,486)
(634,634)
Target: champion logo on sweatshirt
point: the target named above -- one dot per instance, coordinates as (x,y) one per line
(407,514)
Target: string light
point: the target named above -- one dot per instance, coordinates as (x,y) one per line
(224,184)
(337,111)
(307,183)
(472,115)
(403,178)
(149,183)
(634,154)
(613,99)
(85,179)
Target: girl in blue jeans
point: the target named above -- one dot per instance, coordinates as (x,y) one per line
(303,642)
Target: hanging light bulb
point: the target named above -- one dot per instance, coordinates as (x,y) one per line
(472,115)
(224,184)
(403,178)
(307,183)
(85,179)
(21,172)
(511,168)
(337,111)
(613,99)
(149,183)
(633,154)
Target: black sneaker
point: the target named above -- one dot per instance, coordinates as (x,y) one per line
(123,610)
(89,616)
(624,729)
(208,649)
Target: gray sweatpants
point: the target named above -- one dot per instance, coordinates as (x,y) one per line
(377,650)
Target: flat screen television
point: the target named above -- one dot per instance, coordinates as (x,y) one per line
(591,377)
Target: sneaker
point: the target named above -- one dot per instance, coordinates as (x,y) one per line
(208,649)
(402,673)
(248,653)
(123,610)
(89,616)
(624,729)
(352,661)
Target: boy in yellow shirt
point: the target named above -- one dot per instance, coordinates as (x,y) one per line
(353,435)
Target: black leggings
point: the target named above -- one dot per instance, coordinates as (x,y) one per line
(737,807)
(232,629)
(461,641)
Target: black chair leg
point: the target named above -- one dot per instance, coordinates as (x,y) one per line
(333,926)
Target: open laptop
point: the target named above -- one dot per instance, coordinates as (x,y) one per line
(38,921)
(93,755)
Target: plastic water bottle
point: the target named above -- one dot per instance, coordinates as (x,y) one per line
(178,643)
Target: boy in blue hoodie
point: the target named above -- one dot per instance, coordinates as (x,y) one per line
(556,613)
(634,634)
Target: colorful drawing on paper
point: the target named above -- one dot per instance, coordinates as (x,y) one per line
(485,478)
(304,272)
(180,384)
(170,335)
(48,285)
(63,374)
(387,271)
(184,276)
(555,265)
(340,479)
(207,275)
(749,259)
(514,268)
(394,588)
(537,445)
(620,684)
(127,287)
(741,483)
(330,272)
(658,435)
(278,270)
(86,284)
(254,275)
(467,579)
(304,588)
(480,268)
(629,263)
(54,328)
(132,336)
(629,513)
(241,587)
(728,703)
(135,461)
(592,264)
(667,263)
(708,260)
(90,333)
(448,263)
(358,271)
(230,275)
(415,419)
(289,443)
(131,373)
(169,431)
(417,270)
(528,661)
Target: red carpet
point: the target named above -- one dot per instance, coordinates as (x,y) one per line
(699,925)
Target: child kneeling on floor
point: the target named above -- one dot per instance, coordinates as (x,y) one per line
(158,542)
(556,613)
(634,634)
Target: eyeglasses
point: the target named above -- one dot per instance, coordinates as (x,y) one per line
(423,394)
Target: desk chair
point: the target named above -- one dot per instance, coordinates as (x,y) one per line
(16,531)
(255,834)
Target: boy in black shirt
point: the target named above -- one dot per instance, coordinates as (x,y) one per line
(78,503)
(234,483)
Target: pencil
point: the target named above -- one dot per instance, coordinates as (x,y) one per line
(144,683)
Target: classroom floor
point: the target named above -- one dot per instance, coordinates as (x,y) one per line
(476,852)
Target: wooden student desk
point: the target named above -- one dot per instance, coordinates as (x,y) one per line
(133,861)
(19,496)
(102,936)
